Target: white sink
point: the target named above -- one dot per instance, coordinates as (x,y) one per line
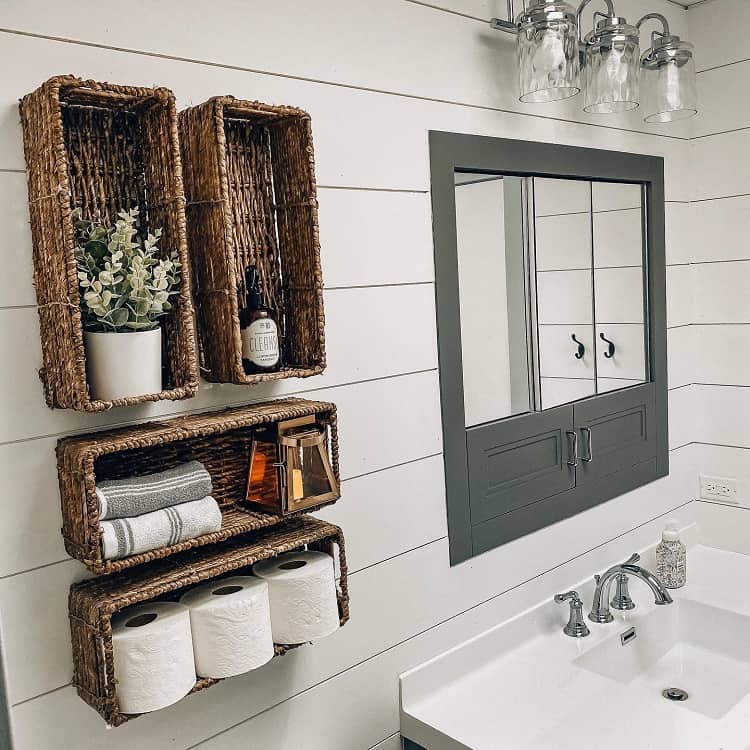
(702,650)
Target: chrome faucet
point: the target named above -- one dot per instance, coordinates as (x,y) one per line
(600,606)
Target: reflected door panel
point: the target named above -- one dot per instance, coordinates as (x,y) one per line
(492,296)
(619,286)
(564,290)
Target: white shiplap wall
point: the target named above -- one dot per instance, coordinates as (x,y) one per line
(375,77)
(720,263)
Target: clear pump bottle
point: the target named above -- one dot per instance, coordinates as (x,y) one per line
(671,557)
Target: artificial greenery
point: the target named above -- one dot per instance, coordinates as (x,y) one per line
(125,285)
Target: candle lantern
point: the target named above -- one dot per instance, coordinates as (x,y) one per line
(290,469)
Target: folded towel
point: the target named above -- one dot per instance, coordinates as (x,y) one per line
(134,496)
(129,536)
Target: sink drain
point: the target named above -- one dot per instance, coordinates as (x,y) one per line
(675,694)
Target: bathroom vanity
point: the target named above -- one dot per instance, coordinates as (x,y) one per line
(525,685)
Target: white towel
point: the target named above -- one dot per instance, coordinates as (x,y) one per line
(122,537)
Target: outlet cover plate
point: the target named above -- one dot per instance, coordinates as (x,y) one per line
(723,489)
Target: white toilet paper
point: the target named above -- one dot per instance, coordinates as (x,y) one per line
(231,624)
(153,656)
(302,590)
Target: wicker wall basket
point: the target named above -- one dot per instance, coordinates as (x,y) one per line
(251,200)
(92,603)
(220,440)
(101,148)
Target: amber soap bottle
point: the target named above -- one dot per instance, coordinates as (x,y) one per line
(260,334)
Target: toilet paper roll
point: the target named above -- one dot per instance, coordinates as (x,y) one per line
(302,591)
(231,624)
(153,656)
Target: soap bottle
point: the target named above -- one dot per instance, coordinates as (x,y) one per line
(671,557)
(260,334)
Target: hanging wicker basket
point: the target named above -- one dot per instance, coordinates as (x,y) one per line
(220,440)
(92,603)
(102,148)
(251,200)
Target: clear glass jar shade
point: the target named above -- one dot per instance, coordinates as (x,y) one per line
(670,92)
(611,77)
(548,62)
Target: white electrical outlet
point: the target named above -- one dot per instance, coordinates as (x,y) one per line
(718,488)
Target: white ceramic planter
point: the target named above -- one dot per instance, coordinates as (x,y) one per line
(120,365)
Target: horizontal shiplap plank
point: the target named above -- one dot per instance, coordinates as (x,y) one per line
(723,354)
(362,138)
(392,603)
(718,29)
(460,59)
(722,289)
(16,286)
(679,295)
(718,110)
(683,417)
(368,419)
(722,165)
(388,512)
(677,230)
(30,532)
(681,356)
(394,328)
(721,413)
(719,230)
(375,237)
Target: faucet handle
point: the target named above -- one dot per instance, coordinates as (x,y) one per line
(560,598)
(576,627)
(633,559)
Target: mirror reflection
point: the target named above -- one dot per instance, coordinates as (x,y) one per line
(552,291)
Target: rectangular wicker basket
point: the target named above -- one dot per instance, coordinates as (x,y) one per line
(101,148)
(251,199)
(220,440)
(92,603)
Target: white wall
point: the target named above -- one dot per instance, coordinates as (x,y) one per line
(719,272)
(375,77)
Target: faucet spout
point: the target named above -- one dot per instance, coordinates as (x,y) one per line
(661,595)
(600,605)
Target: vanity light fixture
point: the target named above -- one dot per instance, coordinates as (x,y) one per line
(553,56)
(668,75)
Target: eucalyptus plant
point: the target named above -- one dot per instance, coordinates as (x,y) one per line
(125,284)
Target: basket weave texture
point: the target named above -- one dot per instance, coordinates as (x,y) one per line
(251,200)
(101,148)
(92,603)
(220,440)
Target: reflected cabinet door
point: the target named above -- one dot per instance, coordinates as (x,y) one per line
(519,461)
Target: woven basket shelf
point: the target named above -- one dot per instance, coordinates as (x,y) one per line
(251,199)
(92,603)
(220,440)
(101,148)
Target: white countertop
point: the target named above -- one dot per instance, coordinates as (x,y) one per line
(517,686)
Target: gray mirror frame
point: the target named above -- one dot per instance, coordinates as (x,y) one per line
(450,152)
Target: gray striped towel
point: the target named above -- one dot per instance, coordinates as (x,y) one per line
(134,496)
(122,537)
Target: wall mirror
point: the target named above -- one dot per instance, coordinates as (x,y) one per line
(552,339)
